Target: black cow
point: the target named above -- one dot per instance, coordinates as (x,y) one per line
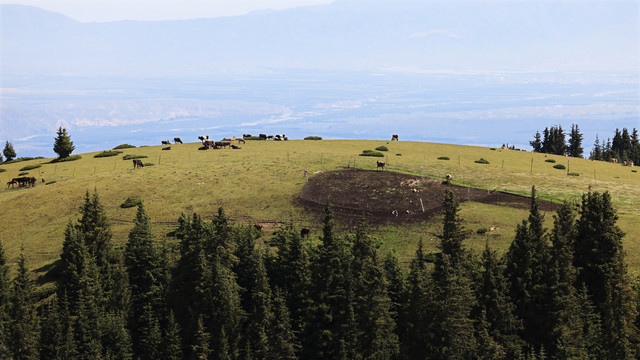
(177,140)
(235,146)
(166,148)
(137,163)
(166,142)
(245,136)
(208,144)
(203,138)
(263,136)
(381,164)
(394,137)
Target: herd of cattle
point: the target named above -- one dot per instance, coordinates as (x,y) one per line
(624,163)
(23,182)
(210,144)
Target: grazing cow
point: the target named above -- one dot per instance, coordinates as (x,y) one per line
(263,136)
(613,161)
(381,164)
(270,137)
(235,147)
(177,140)
(448,178)
(208,144)
(394,137)
(245,136)
(166,148)
(203,137)
(277,138)
(233,138)
(305,232)
(11,183)
(166,142)
(226,143)
(241,141)
(137,163)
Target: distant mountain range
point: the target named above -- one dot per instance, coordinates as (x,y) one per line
(345,35)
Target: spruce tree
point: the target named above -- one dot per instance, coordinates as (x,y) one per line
(72,263)
(87,325)
(596,153)
(23,324)
(536,144)
(51,332)
(527,271)
(282,341)
(396,286)
(259,312)
(575,142)
(63,146)
(8,151)
(171,343)
(115,340)
(5,296)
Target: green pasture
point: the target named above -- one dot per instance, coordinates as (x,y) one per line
(258,183)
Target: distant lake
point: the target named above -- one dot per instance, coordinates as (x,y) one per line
(486,109)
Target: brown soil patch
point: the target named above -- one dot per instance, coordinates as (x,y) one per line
(383,196)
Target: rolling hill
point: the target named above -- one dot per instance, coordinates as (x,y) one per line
(260,182)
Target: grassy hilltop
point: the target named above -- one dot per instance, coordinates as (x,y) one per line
(258,183)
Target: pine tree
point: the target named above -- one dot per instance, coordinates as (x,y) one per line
(201,349)
(171,344)
(596,153)
(258,309)
(72,263)
(536,144)
(282,341)
(51,332)
(8,151)
(23,325)
(575,142)
(96,230)
(396,286)
(115,340)
(527,272)
(5,296)
(87,326)
(63,146)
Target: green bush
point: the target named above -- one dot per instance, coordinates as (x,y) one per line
(371,153)
(50,182)
(2,170)
(443,158)
(124,146)
(550,161)
(131,157)
(492,149)
(631,170)
(482,231)
(559,166)
(107,153)
(130,202)
(255,138)
(482,161)
(30,167)
(23,173)
(148,164)
(382,148)
(573,174)
(25,158)
(313,138)
(398,154)
(68,158)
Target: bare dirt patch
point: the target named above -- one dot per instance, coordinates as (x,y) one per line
(385,196)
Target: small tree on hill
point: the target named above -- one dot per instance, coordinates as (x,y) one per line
(8,151)
(63,146)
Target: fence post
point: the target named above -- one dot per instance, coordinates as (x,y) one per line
(531,171)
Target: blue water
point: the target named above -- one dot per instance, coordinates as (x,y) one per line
(473,109)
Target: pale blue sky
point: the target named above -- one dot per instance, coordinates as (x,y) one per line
(110,10)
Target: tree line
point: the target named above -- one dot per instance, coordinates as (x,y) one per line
(558,293)
(625,146)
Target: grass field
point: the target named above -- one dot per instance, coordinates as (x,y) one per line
(259,182)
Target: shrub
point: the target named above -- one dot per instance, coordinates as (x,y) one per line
(255,138)
(482,161)
(124,146)
(492,148)
(313,138)
(25,158)
(107,153)
(2,170)
(68,158)
(398,154)
(573,174)
(550,161)
(482,231)
(559,166)
(631,170)
(443,158)
(130,202)
(131,157)
(431,257)
(23,173)
(30,167)
(50,182)
(371,153)
(148,164)
(382,148)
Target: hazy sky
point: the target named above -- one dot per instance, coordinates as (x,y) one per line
(109,10)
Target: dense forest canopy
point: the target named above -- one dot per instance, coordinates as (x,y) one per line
(557,293)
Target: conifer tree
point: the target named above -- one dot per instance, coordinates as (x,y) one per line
(51,332)
(87,326)
(396,287)
(5,296)
(115,340)
(8,151)
(527,272)
(259,311)
(282,341)
(96,230)
(171,344)
(536,144)
(201,349)
(575,142)
(72,263)
(63,146)
(375,329)
(596,153)
(23,337)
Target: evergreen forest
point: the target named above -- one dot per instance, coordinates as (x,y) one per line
(220,292)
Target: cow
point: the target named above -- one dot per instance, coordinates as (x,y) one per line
(236,147)
(246,136)
(270,137)
(226,143)
(263,136)
(241,141)
(166,148)
(137,163)
(381,164)
(304,233)
(277,138)
(222,144)
(203,148)
(613,161)
(233,138)
(166,142)
(177,140)
(203,138)
(11,183)
(208,144)
(394,137)
(448,179)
